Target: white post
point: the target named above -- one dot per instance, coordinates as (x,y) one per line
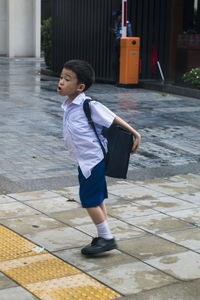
(124,17)
(161,73)
(37,27)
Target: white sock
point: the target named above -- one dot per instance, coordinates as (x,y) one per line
(104,231)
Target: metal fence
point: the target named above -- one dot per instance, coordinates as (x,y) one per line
(81,30)
(45,9)
(151,21)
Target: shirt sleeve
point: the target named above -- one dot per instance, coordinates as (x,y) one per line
(101,114)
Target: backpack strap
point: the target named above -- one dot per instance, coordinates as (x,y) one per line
(86,108)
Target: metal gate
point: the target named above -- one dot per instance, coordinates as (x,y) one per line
(151,21)
(81,30)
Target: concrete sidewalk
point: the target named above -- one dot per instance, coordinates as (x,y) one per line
(156,223)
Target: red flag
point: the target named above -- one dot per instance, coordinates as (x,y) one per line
(154,60)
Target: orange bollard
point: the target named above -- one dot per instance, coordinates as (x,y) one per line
(129,60)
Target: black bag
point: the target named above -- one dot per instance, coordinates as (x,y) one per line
(120,143)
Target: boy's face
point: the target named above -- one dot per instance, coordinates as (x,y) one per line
(68,85)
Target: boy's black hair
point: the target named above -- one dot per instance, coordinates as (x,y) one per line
(83,70)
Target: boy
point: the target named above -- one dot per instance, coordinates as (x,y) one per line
(76,77)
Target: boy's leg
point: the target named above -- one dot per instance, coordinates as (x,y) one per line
(105,240)
(98,216)
(103,207)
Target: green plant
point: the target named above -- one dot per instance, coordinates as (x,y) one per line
(46,41)
(192,78)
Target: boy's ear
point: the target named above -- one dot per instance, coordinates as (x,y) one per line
(81,87)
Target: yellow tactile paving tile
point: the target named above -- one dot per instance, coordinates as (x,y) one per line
(36,268)
(80,287)
(22,247)
(45,275)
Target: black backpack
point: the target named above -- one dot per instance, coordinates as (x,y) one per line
(120,143)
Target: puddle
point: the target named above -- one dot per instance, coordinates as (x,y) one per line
(169,260)
(165,204)
(146,279)
(179,190)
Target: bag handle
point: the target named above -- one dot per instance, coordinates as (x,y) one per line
(87,111)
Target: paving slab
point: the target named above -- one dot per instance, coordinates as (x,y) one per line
(158,223)
(5,282)
(183,266)
(59,238)
(132,278)
(10,210)
(173,188)
(6,199)
(148,246)
(129,210)
(189,238)
(133,192)
(188,215)
(188,178)
(69,192)
(52,205)
(16,293)
(35,195)
(191,197)
(105,260)
(167,204)
(31,224)
(178,291)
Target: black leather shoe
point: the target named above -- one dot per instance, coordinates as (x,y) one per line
(99,245)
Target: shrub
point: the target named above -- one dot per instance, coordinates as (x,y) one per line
(192,78)
(46,41)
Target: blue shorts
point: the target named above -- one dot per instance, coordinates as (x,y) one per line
(93,190)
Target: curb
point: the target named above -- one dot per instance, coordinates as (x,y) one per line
(169,88)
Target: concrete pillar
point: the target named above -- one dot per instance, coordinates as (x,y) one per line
(24,19)
(37,27)
(11,26)
(3,27)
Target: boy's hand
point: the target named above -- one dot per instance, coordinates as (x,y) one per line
(136,144)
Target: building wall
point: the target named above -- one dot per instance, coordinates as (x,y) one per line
(3,27)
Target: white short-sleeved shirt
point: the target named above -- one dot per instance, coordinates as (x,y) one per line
(78,134)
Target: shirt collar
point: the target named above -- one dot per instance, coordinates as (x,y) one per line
(78,100)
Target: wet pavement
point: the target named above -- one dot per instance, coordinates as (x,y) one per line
(156,224)
(154,215)
(33,155)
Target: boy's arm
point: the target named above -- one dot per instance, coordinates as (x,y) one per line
(137,136)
